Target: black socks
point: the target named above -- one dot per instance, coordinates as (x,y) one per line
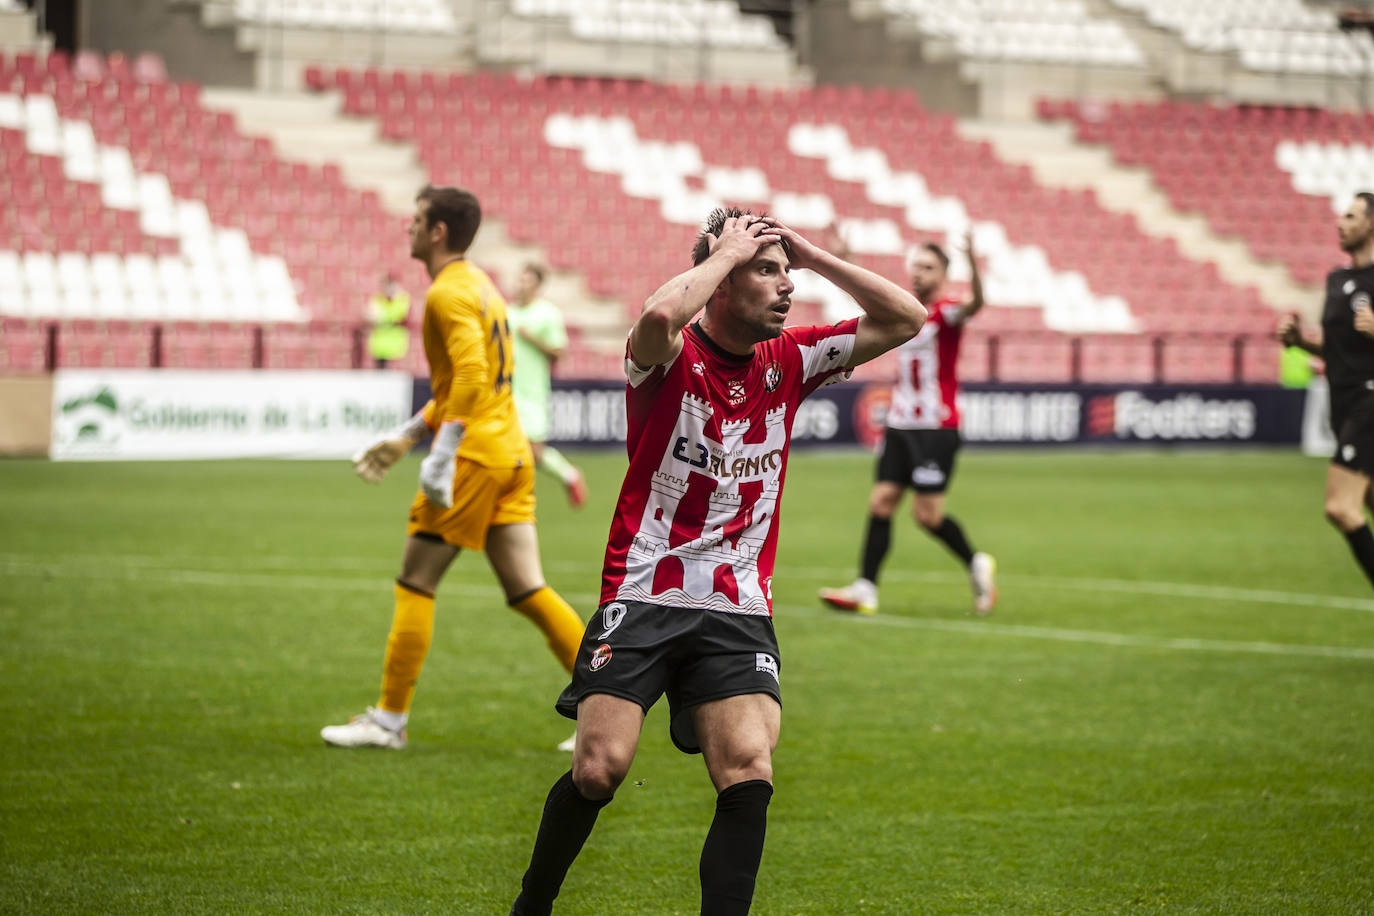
(876,543)
(734,846)
(953,536)
(1362,546)
(567,822)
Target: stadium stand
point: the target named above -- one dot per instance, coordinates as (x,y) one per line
(1055,31)
(1270,176)
(633,154)
(132,204)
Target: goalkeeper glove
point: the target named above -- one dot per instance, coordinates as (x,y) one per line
(438,468)
(373,461)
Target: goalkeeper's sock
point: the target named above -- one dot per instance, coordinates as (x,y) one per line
(952,535)
(877,540)
(1362,545)
(556,619)
(412,630)
(553,462)
(568,821)
(734,847)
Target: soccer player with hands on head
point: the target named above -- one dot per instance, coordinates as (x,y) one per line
(686,593)
(476,484)
(1347,348)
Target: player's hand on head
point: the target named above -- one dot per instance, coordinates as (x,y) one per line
(741,237)
(805,253)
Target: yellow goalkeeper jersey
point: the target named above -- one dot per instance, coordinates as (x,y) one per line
(467,342)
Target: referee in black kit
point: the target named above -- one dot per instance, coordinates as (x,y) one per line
(1347,346)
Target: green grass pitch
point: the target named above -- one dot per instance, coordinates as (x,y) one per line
(1171,711)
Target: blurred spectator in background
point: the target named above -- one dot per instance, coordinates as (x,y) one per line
(536,327)
(388,310)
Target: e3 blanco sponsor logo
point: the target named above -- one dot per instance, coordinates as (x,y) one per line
(600,658)
(611,616)
(765,662)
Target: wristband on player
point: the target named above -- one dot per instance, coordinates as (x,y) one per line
(448,438)
(415,428)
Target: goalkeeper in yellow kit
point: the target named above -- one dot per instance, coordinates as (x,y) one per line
(476,485)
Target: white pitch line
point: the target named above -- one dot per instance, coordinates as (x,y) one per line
(1122,586)
(144,569)
(1115,639)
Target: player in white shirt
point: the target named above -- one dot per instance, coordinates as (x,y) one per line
(686,584)
(922,437)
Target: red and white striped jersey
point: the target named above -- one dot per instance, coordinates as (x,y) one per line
(696,523)
(925,395)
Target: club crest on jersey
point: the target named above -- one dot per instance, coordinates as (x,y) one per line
(600,658)
(772,376)
(736,395)
(1349,287)
(699,369)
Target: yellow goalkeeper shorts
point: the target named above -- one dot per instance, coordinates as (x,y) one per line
(482,497)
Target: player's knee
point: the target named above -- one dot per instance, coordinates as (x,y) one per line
(598,775)
(749,766)
(929,517)
(1343,516)
(882,504)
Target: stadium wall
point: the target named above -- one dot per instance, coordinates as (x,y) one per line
(190,49)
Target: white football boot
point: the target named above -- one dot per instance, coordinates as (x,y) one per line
(982,573)
(860,596)
(364,731)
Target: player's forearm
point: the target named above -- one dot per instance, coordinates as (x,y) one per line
(1306,343)
(655,337)
(975,288)
(883,301)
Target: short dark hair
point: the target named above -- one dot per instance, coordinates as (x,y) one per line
(535,268)
(455,208)
(1368,198)
(715,224)
(939,253)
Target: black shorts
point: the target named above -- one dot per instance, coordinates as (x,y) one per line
(919,458)
(638,651)
(1352,421)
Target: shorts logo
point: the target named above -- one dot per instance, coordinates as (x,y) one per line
(611,616)
(771,376)
(765,662)
(600,658)
(928,475)
(1348,452)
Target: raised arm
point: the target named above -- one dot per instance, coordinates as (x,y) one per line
(891,315)
(657,336)
(974,304)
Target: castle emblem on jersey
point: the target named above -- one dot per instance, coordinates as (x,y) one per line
(771,377)
(600,658)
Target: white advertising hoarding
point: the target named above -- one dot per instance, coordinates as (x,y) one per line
(169,414)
